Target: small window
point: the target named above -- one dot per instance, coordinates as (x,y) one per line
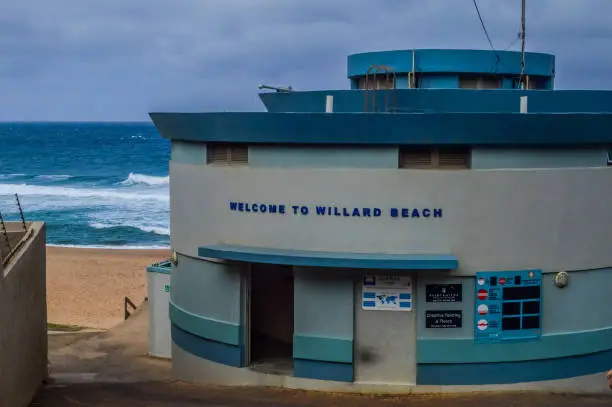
(227,154)
(382,81)
(480,82)
(450,158)
(609,158)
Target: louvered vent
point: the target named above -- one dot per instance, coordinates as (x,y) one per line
(415,158)
(227,154)
(454,158)
(434,158)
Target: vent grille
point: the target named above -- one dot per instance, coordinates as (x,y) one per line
(227,154)
(434,158)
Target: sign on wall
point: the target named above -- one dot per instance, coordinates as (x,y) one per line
(443,293)
(386,293)
(443,319)
(508,306)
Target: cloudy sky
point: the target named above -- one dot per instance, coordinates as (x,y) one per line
(118,59)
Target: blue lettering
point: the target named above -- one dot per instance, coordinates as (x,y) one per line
(377,212)
(336,211)
(246,207)
(273,209)
(233,206)
(304,210)
(254,207)
(405,213)
(356,212)
(281,209)
(438,213)
(241,207)
(263,208)
(394,212)
(345,212)
(295,209)
(426,213)
(320,210)
(415,213)
(366,212)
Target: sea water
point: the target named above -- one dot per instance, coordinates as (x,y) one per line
(94,184)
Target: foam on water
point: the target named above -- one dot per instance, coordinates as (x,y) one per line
(95,185)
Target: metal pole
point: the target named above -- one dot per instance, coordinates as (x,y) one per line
(3,227)
(23,222)
(523,44)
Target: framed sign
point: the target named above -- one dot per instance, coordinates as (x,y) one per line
(386,293)
(443,293)
(443,319)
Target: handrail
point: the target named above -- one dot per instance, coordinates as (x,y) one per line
(387,71)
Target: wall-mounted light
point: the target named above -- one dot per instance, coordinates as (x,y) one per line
(561,279)
(174,257)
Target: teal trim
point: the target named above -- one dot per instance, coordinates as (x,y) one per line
(549,346)
(453,61)
(306,258)
(206,349)
(321,348)
(207,328)
(444,100)
(163,267)
(389,129)
(311,369)
(517,372)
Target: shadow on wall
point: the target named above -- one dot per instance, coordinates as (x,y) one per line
(23,318)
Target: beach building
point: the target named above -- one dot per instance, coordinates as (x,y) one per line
(445,221)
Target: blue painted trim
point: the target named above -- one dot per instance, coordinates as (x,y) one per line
(207,349)
(162,267)
(444,101)
(513,372)
(208,328)
(547,347)
(389,129)
(329,259)
(323,349)
(453,61)
(311,369)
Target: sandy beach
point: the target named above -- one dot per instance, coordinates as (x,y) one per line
(86,287)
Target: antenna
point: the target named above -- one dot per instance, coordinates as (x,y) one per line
(522,80)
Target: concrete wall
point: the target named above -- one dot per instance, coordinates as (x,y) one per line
(487,214)
(23,322)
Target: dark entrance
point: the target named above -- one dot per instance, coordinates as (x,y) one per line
(271,318)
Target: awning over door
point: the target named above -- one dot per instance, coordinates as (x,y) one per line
(307,258)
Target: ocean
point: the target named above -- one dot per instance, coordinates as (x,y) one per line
(94,184)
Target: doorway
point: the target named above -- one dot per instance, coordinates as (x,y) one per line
(271,319)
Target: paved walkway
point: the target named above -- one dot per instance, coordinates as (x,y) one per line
(112,369)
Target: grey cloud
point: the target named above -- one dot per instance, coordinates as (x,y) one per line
(117,59)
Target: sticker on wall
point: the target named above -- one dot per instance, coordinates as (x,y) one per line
(508,306)
(386,293)
(443,293)
(443,319)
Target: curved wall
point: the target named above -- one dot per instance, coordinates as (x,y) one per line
(492,219)
(453,60)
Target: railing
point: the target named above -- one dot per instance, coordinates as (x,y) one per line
(128,308)
(6,248)
(389,73)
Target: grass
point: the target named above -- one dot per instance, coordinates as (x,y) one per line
(63,328)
